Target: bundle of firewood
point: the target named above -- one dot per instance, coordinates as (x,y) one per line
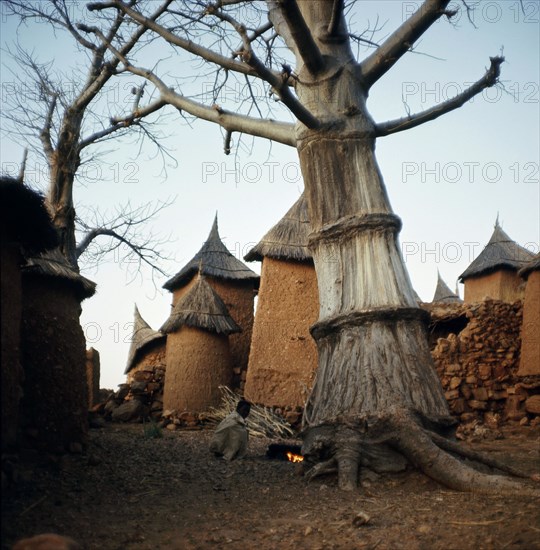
(261,422)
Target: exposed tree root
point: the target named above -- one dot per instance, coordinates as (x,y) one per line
(481,458)
(375,444)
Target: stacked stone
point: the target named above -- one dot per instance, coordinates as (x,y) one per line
(140,399)
(478,366)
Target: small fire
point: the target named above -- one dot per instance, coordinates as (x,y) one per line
(294,458)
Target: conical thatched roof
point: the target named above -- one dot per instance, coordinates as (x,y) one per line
(53,264)
(443,293)
(533,265)
(288,239)
(202,308)
(143,335)
(214,260)
(500,252)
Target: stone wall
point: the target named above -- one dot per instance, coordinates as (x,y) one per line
(478,365)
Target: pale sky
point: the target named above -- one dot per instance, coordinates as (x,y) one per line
(448,180)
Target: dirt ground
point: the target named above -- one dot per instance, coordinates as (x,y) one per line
(130,491)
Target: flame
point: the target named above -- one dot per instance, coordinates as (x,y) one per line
(294,458)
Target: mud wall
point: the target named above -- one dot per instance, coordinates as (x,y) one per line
(502,285)
(12,375)
(530,332)
(283,356)
(54,407)
(198,362)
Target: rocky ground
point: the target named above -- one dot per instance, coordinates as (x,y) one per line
(129,490)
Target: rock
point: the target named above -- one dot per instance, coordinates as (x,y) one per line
(138,386)
(492,420)
(480,394)
(171,427)
(477,405)
(452,394)
(122,393)
(532,405)
(130,410)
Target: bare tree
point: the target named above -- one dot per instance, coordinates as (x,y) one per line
(66,115)
(122,233)
(377,399)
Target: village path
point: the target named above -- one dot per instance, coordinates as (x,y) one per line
(132,492)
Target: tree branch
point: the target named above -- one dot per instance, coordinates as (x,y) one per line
(401,40)
(266,128)
(279,82)
(490,78)
(337,12)
(187,45)
(120,123)
(45,133)
(301,34)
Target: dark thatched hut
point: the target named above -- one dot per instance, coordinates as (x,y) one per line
(235,283)
(283,356)
(494,272)
(24,225)
(443,294)
(54,408)
(147,349)
(530,331)
(198,353)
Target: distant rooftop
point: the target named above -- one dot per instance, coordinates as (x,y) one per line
(501,252)
(214,260)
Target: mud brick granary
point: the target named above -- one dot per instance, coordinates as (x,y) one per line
(234,282)
(24,225)
(494,272)
(283,356)
(54,406)
(147,349)
(198,356)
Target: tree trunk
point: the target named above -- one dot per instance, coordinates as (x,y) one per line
(64,162)
(376,389)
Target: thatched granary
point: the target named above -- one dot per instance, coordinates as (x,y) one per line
(530,331)
(54,407)
(24,225)
(443,294)
(283,356)
(147,349)
(198,353)
(494,272)
(235,283)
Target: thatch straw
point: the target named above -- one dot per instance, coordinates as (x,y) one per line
(261,422)
(215,260)
(288,239)
(53,264)
(201,308)
(443,294)
(533,265)
(24,218)
(500,252)
(143,336)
